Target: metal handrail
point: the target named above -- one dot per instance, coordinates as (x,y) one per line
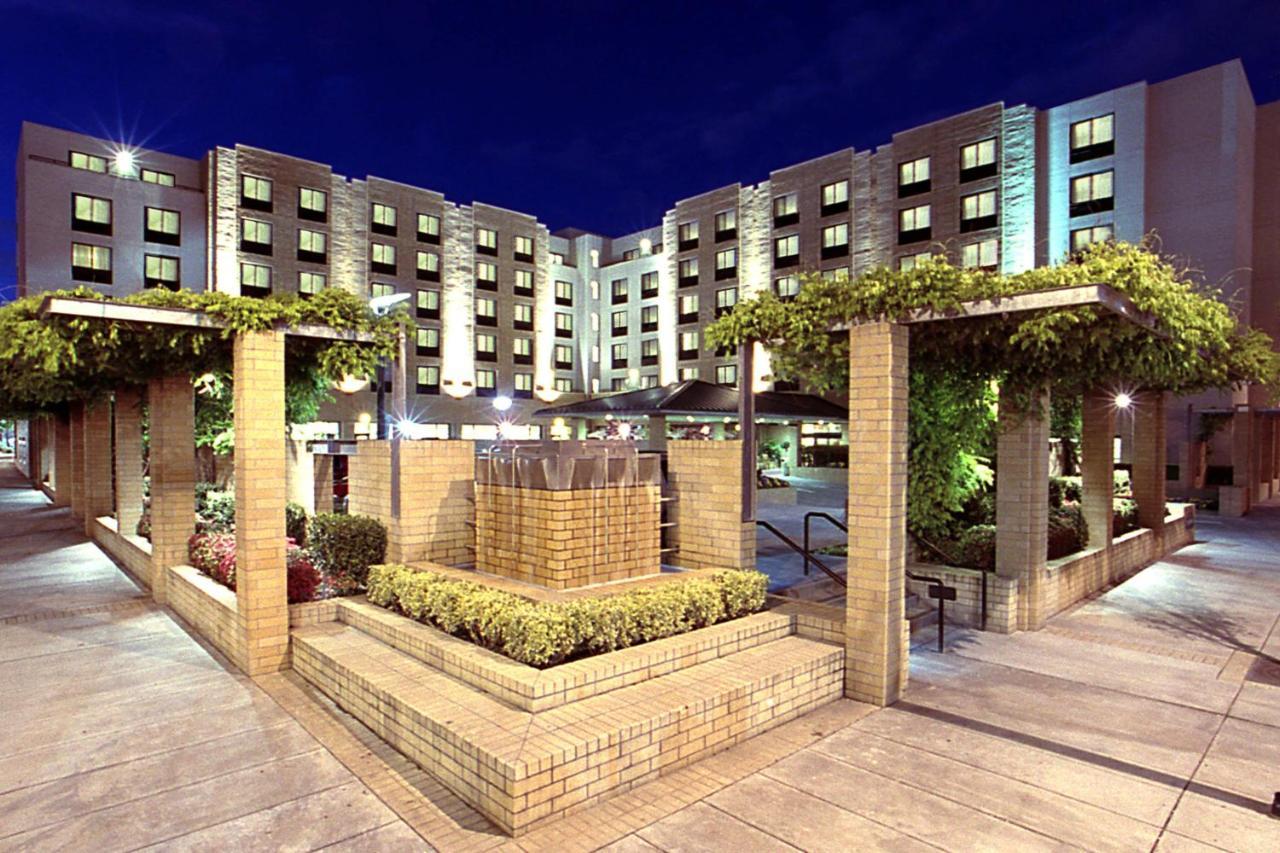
(790,543)
(952,561)
(820,514)
(942,603)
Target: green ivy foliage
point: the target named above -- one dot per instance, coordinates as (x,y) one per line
(53,360)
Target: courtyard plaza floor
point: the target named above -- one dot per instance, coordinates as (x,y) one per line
(1148,718)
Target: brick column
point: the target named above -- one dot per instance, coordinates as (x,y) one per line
(60,426)
(1022,504)
(323,500)
(875,603)
(128,460)
(1097,468)
(1149,461)
(75,473)
(96,455)
(300,475)
(1266,455)
(261,591)
(706,481)
(173,475)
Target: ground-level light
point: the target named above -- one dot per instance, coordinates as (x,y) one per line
(502,403)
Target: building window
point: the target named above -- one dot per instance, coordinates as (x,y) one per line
(427,341)
(523,284)
(522,316)
(726,374)
(563,385)
(725,300)
(255,236)
(255,279)
(906,263)
(564,325)
(564,357)
(687,236)
(382,258)
(786,286)
(522,350)
(1093,138)
(913,177)
(160,271)
(914,224)
(978,211)
(835,241)
(984,255)
(557,258)
(786,210)
(726,264)
(619,323)
(313,205)
(835,198)
(88,162)
(428,379)
(786,251)
(630,254)
(428,266)
(383,219)
(486,311)
(523,249)
(564,292)
(163,179)
(688,272)
(619,287)
(311,282)
(687,373)
(649,318)
(428,305)
(378,289)
(428,228)
(486,347)
(524,385)
(91,214)
(1082,238)
(1092,193)
(618,356)
(648,285)
(835,274)
(163,226)
(486,241)
(978,160)
(689,345)
(312,246)
(649,351)
(688,308)
(486,383)
(255,193)
(726,225)
(486,275)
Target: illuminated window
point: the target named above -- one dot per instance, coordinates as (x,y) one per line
(688,272)
(427,341)
(688,235)
(978,211)
(564,325)
(487,347)
(689,308)
(557,258)
(160,271)
(255,192)
(381,288)
(649,351)
(428,379)
(619,287)
(91,214)
(486,311)
(429,304)
(428,265)
(522,315)
(726,374)
(725,300)
(313,204)
(164,179)
(255,277)
(255,236)
(726,225)
(618,356)
(88,162)
(835,274)
(487,241)
(907,263)
(786,250)
(619,322)
(913,173)
(835,197)
(689,344)
(687,373)
(524,385)
(786,209)
(835,240)
(383,257)
(1093,137)
(523,248)
(383,219)
(486,382)
(428,228)
(649,318)
(984,254)
(522,349)
(1092,193)
(311,282)
(162,226)
(563,385)
(786,286)
(312,245)
(486,275)
(914,224)
(1081,238)
(480,432)
(523,283)
(564,357)
(978,160)
(726,263)
(564,292)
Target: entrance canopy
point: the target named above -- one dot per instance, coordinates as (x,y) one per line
(697,398)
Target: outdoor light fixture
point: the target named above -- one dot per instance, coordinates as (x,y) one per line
(123,163)
(457,389)
(1123,400)
(502,403)
(364,418)
(382,305)
(409,429)
(351,384)
(624,430)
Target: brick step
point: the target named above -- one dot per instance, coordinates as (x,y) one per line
(520,768)
(532,689)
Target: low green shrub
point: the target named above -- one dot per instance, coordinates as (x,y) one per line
(975,547)
(295,523)
(215,510)
(345,546)
(1124,516)
(1064,490)
(1121,483)
(1068,532)
(543,634)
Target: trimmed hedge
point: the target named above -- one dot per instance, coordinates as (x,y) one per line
(543,634)
(214,554)
(345,546)
(295,523)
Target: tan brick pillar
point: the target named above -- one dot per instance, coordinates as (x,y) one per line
(1266,455)
(61,479)
(1241,453)
(875,604)
(300,475)
(1097,467)
(323,500)
(128,460)
(96,455)
(706,480)
(173,475)
(1022,503)
(1149,461)
(261,591)
(75,473)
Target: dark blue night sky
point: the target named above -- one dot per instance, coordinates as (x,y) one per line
(597,115)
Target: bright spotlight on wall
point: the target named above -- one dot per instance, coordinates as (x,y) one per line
(1123,401)
(124,164)
(502,403)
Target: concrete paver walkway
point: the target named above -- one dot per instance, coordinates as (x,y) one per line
(121,732)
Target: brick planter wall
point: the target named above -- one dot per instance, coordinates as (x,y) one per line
(706,482)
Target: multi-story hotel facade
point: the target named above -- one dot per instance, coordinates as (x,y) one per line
(506,308)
